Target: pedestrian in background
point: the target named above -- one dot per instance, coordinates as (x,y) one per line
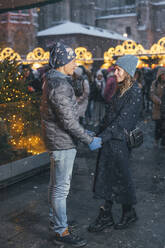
(113,181)
(62,131)
(111,84)
(156,94)
(82,91)
(149,76)
(139,78)
(162,116)
(98,98)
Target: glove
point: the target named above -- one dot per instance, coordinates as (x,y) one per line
(91,133)
(96,143)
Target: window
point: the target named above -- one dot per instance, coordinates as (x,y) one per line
(139,19)
(128,30)
(129,2)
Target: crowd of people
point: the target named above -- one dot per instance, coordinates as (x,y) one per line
(101,110)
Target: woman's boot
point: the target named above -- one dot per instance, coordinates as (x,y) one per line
(104,219)
(128,216)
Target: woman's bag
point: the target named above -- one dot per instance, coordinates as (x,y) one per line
(134,138)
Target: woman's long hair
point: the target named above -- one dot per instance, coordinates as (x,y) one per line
(126,84)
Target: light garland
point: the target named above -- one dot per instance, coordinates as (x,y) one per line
(83,56)
(157,51)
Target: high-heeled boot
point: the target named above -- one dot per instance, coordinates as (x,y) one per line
(128,216)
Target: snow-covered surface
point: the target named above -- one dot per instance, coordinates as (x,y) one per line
(142,28)
(22,22)
(159,3)
(77,28)
(123,7)
(117,16)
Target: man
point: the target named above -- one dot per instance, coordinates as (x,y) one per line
(61,130)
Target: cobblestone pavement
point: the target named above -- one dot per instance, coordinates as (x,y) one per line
(23,206)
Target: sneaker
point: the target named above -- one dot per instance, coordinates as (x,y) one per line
(104,220)
(69,239)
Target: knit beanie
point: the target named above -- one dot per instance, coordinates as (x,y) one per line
(128,63)
(60,55)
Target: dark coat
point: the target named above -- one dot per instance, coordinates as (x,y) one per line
(60,114)
(156,93)
(113,179)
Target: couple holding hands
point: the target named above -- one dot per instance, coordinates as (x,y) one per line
(62,131)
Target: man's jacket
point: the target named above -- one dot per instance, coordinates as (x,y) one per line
(59,113)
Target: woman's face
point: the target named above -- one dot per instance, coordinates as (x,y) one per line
(120,74)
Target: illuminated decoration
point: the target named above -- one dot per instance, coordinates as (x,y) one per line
(128,47)
(23,128)
(147,58)
(32,144)
(37,57)
(19,110)
(83,57)
(160,48)
(10,54)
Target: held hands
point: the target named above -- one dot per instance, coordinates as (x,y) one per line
(96,143)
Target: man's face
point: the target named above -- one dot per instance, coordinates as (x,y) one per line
(120,74)
(70,67)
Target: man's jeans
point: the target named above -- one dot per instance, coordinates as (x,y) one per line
(61,167)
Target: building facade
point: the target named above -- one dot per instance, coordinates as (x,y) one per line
(18,30)
(95,40)
(84,12)
(140,20)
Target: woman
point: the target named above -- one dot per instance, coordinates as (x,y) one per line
(113,180)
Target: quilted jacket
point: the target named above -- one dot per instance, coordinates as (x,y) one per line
(60,114)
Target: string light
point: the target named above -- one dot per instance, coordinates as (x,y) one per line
(19,111)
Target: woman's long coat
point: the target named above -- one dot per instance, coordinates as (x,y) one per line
(113,179)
